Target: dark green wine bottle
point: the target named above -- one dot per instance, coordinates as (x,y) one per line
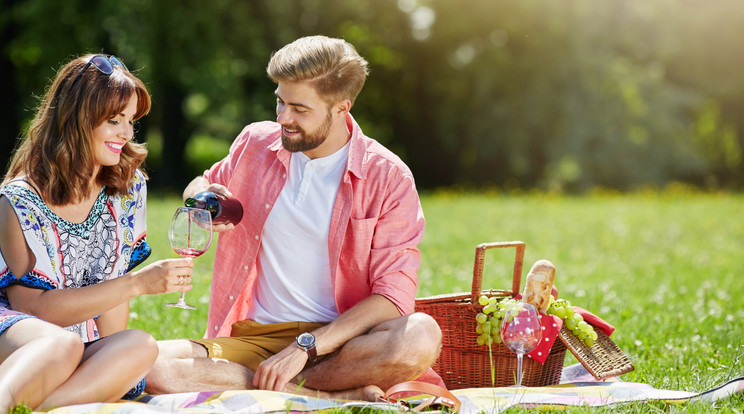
(222,210)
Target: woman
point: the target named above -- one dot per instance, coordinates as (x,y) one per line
(72,228)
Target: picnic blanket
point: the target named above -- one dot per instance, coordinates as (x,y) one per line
(577,388)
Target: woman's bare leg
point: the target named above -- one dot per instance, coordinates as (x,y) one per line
(37,357)
(110,368)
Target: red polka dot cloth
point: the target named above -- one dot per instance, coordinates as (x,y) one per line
(551,326)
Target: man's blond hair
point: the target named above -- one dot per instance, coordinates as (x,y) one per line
(332,66)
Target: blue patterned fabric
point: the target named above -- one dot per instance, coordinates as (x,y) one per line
(30,279)
(140,253)
(136,391)
(7,319)
(108,244)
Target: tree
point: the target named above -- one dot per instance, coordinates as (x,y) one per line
(561,96)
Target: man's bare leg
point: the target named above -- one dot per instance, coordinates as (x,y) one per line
(392,352)
(184,366)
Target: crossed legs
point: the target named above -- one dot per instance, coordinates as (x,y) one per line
(394,351)
(45,366)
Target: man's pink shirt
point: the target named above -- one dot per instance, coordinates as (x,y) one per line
(376,224)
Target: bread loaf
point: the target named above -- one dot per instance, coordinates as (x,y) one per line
(539,284)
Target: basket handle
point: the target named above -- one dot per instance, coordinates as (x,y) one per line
(480,253)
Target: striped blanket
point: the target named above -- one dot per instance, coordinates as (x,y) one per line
(577,388)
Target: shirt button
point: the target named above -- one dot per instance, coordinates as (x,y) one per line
(257,237)
(284,175)
(216,328)
(245,268)
(231,298)
(267,206)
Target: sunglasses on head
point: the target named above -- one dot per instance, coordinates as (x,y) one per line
(105,64)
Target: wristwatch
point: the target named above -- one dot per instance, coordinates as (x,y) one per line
(306,341)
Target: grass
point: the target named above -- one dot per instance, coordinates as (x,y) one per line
(662,267)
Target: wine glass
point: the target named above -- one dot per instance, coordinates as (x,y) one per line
(190,235)
(521,332)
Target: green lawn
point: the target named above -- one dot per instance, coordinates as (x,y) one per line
(661,267)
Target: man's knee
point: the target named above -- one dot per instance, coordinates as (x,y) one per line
(180,349)
(427,332)
(422,325)
(173,361)
(418,342)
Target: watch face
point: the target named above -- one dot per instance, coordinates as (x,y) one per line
(306,340)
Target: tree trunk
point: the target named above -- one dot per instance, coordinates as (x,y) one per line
(10,122)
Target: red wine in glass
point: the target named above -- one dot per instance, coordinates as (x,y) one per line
(190,235)
(189,252)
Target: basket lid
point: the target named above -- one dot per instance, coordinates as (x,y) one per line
(603,360)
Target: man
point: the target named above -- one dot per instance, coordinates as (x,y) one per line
(315,286)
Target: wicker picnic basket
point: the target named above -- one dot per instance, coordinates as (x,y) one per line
(465,364)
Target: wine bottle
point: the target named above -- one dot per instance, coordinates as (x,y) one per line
(223,210)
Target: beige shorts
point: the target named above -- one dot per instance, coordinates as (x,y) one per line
(250,343)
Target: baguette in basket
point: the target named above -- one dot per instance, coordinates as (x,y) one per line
(539,285)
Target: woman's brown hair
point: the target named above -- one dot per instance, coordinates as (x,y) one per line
(56,153)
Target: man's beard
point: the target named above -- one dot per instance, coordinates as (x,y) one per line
(307,141)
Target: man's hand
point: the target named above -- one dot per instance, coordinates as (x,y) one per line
(276,372)
(199,184)
(222,192)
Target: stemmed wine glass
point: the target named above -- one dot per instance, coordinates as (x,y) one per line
(190,235)
(521,332)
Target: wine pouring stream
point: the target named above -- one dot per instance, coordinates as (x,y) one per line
(190,234)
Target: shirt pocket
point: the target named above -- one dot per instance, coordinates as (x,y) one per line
(358,244)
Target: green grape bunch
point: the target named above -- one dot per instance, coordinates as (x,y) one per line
(573,321)
(488,321)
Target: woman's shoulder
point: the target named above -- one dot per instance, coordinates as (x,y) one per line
(138,184)
(13,184)
(7,211)
(21,193)
(18,224)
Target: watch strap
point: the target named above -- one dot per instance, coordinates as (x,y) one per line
(312,353)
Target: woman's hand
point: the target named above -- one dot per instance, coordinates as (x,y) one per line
(165,276)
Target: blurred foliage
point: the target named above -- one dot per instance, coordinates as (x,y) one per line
(563,96)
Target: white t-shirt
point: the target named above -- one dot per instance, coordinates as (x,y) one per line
(294,282)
